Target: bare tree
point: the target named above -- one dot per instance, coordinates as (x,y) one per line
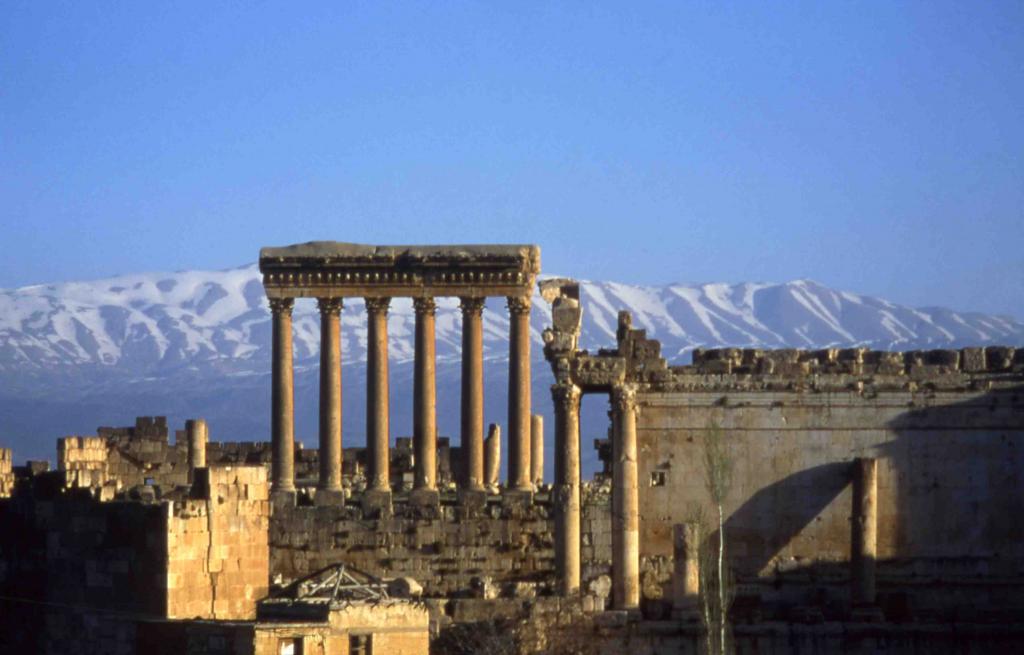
(715,583)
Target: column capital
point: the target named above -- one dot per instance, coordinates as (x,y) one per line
(424,306)
(518,305)
(329,305)
(281,305)
(472,306)
(624,397)
(566,395)
(377,305)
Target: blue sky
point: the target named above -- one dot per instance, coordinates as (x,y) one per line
(875,147)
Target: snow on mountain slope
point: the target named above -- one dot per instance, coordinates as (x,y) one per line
(197,343)
(217,323)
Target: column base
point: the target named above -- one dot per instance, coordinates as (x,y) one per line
(329,497)
(425,498)
(472,501)
(867,614)
(377,503)
(283,499)
(516,503)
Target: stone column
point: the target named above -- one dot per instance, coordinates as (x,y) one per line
(566,397)
(195,430)
(537,450)
(330,396)
(625,501)
(686,576)
(377,395)
(425,400)
(492,464)
(473,392)
(519,394)
(864,537)
(282,396)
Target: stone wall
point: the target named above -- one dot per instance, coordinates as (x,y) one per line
(218,555)
(451,553)
(950,450)
(76,574)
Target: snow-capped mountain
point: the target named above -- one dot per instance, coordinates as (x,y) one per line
(78,354)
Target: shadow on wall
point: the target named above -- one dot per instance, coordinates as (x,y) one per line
(951,498)
(776,514)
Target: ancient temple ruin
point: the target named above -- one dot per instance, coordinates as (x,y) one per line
(876,495)
(331,272)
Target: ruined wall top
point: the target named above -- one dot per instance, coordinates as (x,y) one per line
(336,269)
(637,359)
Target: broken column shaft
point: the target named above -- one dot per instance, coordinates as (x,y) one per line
(537,450)
(492,458)
(864,537)
(196,432)
(686,576)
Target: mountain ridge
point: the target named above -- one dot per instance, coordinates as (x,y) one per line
(74,355)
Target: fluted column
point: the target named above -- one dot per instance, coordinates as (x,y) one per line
(330,394)
(567,487)
(625,500)
(864,538)
(473,392)
(519,394)
(282,396)
(424,397)
(377,398)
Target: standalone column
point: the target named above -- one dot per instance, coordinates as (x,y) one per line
(282,396)
(377,418)
(625,501)
(473,392)
(519,394)
(537,450)
(686,576)
(424,398)
(492,463)
(195,431)
(865,531)
(567,487)
(330,395)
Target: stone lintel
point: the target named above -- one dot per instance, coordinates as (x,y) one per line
(331,269)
